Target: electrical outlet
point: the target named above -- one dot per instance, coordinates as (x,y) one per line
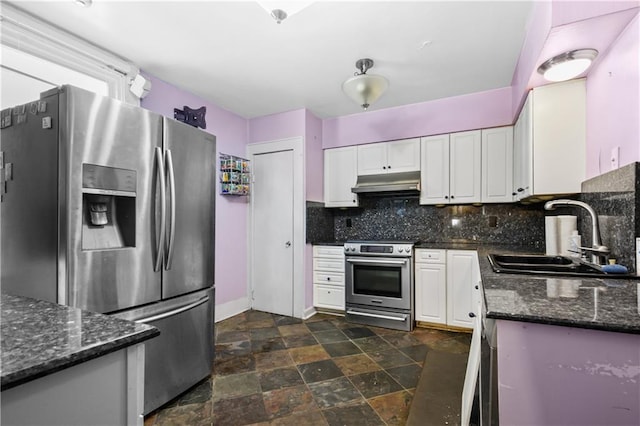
(615,155)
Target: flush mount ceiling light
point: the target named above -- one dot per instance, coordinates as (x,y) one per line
(364,88)
(567,65)
(281,10)
(83,3)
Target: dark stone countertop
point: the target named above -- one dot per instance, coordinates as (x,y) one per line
(328,243)
(38,338)
(610,304)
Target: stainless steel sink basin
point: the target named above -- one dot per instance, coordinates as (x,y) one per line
(547,265)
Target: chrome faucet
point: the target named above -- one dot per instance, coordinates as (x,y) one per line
(599,253)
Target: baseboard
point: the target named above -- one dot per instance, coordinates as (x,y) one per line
(308,313)
(423,324)
(229,309)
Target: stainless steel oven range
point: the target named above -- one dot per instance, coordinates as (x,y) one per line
(379,283)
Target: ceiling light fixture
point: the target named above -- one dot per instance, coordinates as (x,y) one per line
(279,15)
(281,10)
(84,3)
(364,88)
(568,65)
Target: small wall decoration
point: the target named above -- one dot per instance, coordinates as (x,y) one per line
(193,117)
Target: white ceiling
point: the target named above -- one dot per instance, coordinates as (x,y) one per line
(235,55)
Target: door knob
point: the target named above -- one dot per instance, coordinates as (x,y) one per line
(287,244)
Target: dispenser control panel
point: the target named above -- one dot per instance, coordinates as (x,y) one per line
(108,179)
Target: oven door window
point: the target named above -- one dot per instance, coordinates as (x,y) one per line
(384,281)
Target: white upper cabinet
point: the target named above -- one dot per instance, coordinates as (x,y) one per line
(465,167)
(451,168)
(550,141)
(434,173)
(497,165)
(389,157)
(523,153)
(340,175)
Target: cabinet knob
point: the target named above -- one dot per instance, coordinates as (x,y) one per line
(520,189)
(384,167)
(477,288)
(514,193)
(446,197)
(329,279)
(452,197)
(354,201)
(472,315)
(388,167)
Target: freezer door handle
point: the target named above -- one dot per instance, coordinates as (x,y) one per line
(173,312)
(163,208)
(172,209)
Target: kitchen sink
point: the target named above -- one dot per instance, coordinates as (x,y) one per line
(547,265)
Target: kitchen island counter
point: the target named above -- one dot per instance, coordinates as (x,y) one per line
(40,338)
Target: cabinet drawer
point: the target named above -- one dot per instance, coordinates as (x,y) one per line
(431,256)
(328,251)
(328,297)
(321,264)
(329,278)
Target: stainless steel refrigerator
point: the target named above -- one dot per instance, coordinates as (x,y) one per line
(110,208)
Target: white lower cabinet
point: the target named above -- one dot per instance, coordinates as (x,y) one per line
(445,286)
(328,277)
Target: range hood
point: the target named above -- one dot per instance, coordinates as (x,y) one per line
(404,182)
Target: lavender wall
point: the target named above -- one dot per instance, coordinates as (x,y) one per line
(314,158)
(231,212)
(474,111)
(277,126)
(551,375)
(539,26)
(613,104)
(565,12)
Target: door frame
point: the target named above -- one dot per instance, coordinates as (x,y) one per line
(296,144)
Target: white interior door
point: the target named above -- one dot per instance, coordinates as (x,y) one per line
(273,232)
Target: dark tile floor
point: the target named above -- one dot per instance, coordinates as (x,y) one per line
(275,370)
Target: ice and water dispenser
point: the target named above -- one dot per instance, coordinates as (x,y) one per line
(109,207)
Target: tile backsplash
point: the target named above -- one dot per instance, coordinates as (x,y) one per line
(614,196)
(403,218)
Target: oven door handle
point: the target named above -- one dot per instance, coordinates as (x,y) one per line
(378,261)
(387,317)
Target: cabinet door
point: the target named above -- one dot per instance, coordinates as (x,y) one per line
(434,170)
(523,152)
(462,277)
(497,165)
(465,167)
(403,156)
(559,137)
(340,175)
(431,293)
(372,159)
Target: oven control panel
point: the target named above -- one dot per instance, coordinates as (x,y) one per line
(378,249)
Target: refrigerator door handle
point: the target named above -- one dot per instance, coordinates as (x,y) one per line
(163,208)
(172,209)
(173,312)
